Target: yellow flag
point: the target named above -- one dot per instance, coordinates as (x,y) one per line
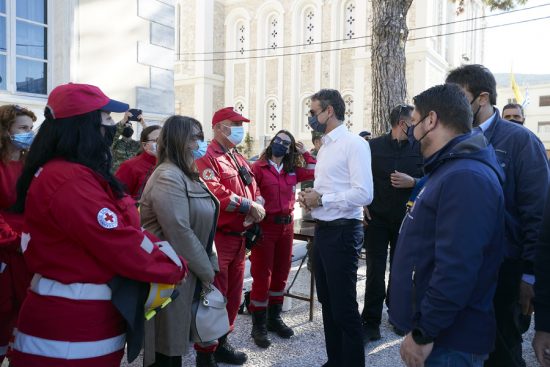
(515,88)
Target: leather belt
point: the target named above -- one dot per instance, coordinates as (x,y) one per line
(337,222)
(279,219)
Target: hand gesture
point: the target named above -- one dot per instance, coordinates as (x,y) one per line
(127,115)
(541,345)
(414,355)
(300,147)
(142,121)
(401,180)
(257,212)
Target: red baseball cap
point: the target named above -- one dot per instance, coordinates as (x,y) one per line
(74,99)
(228,113)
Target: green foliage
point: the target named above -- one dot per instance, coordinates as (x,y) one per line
(492,4)
(246,146)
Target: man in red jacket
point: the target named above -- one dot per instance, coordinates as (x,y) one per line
(229,177)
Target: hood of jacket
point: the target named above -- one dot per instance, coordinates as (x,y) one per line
(472,145)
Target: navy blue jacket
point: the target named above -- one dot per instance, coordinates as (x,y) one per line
(542,274)
(449,250)
(523,158)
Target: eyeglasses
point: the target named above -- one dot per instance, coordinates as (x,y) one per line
(284,142)
(151,140)
(312,113)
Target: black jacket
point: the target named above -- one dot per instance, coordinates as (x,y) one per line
(389,155)
(542,274)
(522,156)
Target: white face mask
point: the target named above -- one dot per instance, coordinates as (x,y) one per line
(153,150)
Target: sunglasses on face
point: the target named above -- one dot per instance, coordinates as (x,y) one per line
(278,140)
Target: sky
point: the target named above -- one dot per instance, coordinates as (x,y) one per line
(524,48)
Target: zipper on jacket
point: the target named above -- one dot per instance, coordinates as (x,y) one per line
(413,295)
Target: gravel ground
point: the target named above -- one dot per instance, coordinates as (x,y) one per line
(307,347)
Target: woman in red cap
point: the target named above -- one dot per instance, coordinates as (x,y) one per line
(79,232)
(16,136)
(283,164)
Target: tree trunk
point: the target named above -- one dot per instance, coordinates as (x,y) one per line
(389,35)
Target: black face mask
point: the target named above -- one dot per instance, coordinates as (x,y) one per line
(475,113)
(278,150)
(516,121)
(109,136)
(127,132)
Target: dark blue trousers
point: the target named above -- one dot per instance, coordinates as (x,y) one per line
(335,261)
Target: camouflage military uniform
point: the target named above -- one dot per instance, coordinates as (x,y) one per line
(123,148)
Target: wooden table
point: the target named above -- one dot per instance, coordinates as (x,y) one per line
(305,231)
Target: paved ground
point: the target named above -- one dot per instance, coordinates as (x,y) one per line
(306,348)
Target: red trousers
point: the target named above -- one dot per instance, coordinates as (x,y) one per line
(270,264)
(14,281)
(229,280)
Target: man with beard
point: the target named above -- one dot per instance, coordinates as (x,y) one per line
(450,244)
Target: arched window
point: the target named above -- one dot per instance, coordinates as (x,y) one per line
(241,37)
(348,114)
(273,117)
(349,20)
(239,107)
(305,108)
(309,26)
(274,32)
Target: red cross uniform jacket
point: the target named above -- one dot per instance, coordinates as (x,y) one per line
(135,172)
(279,189)
(219,171)
(76,237)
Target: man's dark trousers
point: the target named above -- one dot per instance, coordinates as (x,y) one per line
(378,234)
(507,351)
(335,260)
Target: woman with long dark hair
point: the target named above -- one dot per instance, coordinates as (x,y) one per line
(16,136)
(134,172)
(178,207)
(79,232)
(283,164)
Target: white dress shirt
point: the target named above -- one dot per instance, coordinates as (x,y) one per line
(343,176)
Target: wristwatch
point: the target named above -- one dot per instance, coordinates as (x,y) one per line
(420,337)
(320,200)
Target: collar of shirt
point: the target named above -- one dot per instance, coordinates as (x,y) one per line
(279,167)
(334,134)
(487,123)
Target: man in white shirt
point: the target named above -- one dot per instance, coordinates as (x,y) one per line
(343,186)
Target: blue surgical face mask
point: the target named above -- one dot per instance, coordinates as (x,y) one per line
(201,150)
(278,150)
(22,140)
(237,135)
(316,125)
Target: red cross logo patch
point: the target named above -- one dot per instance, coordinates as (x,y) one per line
(107,218)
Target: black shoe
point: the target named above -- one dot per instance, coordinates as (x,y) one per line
(371,333)
(205,360)
(259,330)
(275,322)
(225,353)
(398,331)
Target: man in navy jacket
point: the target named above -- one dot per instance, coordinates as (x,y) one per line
(450,245)
(523,158)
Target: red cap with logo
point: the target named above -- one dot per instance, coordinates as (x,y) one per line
(228,113)
(74,99)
